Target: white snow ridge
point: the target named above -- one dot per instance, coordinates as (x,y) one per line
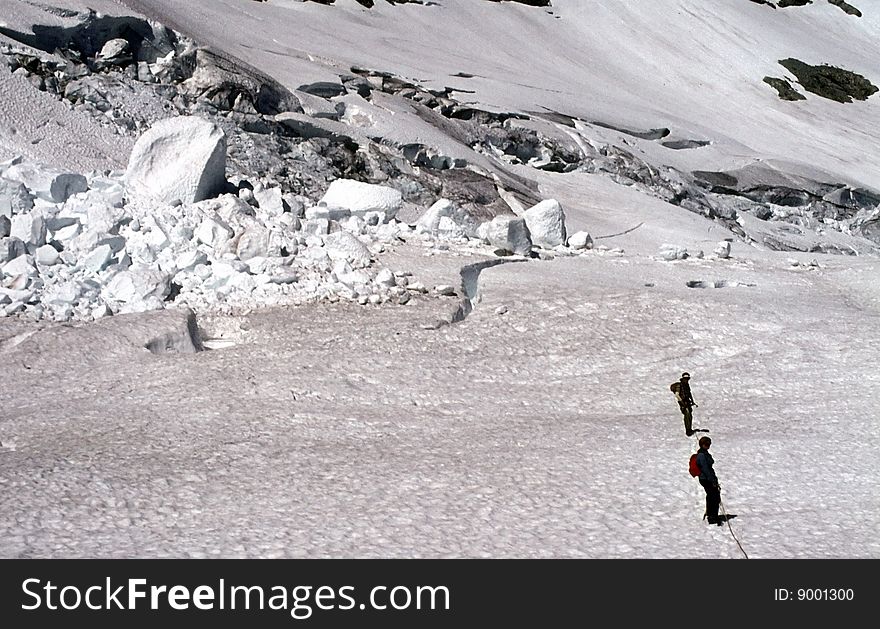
(437,299)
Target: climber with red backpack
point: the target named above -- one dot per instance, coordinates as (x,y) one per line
(702,466)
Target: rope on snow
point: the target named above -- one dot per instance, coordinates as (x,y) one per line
(730,528)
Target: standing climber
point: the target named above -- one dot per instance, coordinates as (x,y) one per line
(709,481)
(686,402)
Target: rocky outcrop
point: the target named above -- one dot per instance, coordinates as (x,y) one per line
(830,82)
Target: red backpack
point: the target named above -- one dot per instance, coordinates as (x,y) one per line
(693,468)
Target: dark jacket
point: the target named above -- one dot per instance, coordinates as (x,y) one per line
(705,463)
(684,393)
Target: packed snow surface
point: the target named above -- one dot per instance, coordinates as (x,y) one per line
(261,371)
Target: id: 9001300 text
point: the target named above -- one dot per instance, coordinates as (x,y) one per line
(813,594)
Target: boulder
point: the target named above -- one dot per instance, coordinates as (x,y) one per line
(580,240)
(213,232)
(115,51)
(673,252)
(429,222)
(29,228)
(546,223)
(36,180)
(315,227)
(14,198)
(450,230)
(509,233)
(65,185)
(11,248)
(47,255)
(252,243)
(342,245)
(22,265)
(723,249)
(363,198)
(385,278)
(178,159)
(98,259)
(137,289)
(269,200)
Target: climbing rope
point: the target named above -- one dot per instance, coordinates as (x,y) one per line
(726,519)
(730,528)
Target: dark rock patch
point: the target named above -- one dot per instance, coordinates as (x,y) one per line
(846,7)
(784,88)
(829,81)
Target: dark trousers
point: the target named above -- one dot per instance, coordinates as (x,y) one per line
(713,499)
(688,420)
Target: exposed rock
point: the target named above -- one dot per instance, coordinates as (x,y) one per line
(22,265)
(179,159)
(344,246)
(232,85)
(673,252)
(115,51)
(47,255)
(448,229)
(14,198)
(829,81)
(546,223)
(846,7)
(270,200)
(363,198)
(213,232)
(722,250)
(508,233)
(29,228)
(430,221)
(580,240)
(316,227)
(65,185)
(445,290)
(11,248)
(137,289)
(784,88)
(98,259)
(252,242)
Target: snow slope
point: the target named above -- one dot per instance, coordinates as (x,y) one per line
(547,431)
(541,425)
(694,67)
